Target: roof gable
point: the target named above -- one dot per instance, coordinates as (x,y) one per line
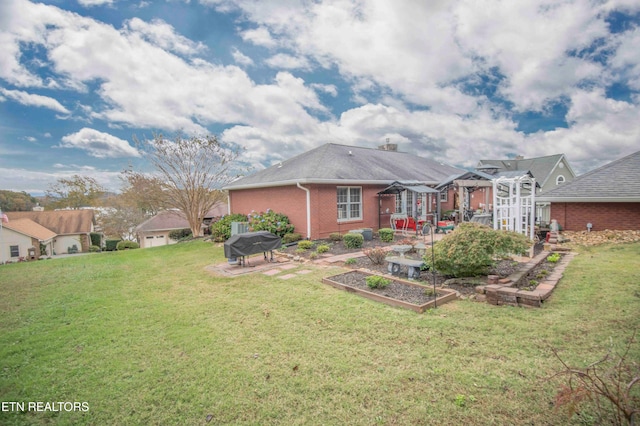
(618,180)
(164,221)
(333,163)
(539,167)
(30,228)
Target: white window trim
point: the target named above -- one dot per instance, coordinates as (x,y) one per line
(560,179)
(349,203)
(444,195)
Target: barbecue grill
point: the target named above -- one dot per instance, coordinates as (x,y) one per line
(248,243)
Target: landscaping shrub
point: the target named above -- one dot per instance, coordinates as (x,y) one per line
(291,238)
(96,239)
(323,248)
(276,223)
(94,249)
(110,245)
(124,245)
(179,234)
(472,249)
(553,257)
(305,244)
(376,281)
(376,255)
(353,241)
(335,236)
(386,234)
(221,230)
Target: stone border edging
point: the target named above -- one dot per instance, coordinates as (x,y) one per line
(504,293)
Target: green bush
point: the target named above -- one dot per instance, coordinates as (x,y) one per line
(323,248)
(179,234)
(305,244)
(96,239)
(335,236)
(124,245)
(94,249)
(386,234)
(221,230)
(353,241)
(553,257)
(472,249)
(291,238)
(276,223)
(110,245)
(376,281)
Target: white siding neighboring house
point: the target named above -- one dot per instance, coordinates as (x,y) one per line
(18,237)
(71,227)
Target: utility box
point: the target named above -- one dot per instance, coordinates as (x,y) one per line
(239,228)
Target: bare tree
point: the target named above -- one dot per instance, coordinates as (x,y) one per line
(192,171)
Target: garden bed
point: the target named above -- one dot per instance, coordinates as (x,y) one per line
(399,292)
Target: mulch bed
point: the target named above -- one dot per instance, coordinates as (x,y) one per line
(465,286)
(395,290)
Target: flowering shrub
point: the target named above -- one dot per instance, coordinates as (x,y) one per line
(276,223)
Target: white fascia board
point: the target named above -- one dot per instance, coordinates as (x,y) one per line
(589,199)
(313,181)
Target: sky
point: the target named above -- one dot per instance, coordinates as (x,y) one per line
(456,81)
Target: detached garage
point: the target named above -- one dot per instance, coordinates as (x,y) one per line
(605,198)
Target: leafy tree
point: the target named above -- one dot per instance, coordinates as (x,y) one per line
(11,201)
(143,192)
(78,191)
(472,248)
(192,171)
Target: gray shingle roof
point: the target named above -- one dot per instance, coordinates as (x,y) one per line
(333,163)
(540,167)
(618,181)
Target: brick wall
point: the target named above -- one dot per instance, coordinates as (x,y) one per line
(615,216)
(291,201)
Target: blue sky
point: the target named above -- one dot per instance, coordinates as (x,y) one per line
(457,81)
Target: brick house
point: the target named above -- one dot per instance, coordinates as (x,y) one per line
(335,188)
(606,198)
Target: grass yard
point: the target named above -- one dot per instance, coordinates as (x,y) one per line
(149,337)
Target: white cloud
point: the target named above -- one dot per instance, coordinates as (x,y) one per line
(284,61)
(259,37)
(31,99)
(240,58)
(163,35)
(99,144)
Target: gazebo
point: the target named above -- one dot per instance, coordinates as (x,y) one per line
(414,204)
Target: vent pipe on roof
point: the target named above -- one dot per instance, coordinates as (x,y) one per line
(389,146)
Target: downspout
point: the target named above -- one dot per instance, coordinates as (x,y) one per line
(308,208)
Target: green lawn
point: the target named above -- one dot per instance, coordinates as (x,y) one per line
(150,337)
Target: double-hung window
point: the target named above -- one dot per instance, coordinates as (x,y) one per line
(349,203)
(15,251)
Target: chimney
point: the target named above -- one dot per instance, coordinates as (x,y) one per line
(389,146)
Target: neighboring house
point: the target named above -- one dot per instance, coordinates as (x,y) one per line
(606,198)
(155,231)
(335,188)
(71,227)
(21,239)
(549,172)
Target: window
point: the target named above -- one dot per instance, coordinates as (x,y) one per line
(349,203)
(560,179)
(444,195)
(15,251)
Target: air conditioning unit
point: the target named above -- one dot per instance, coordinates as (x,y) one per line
(239,228)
